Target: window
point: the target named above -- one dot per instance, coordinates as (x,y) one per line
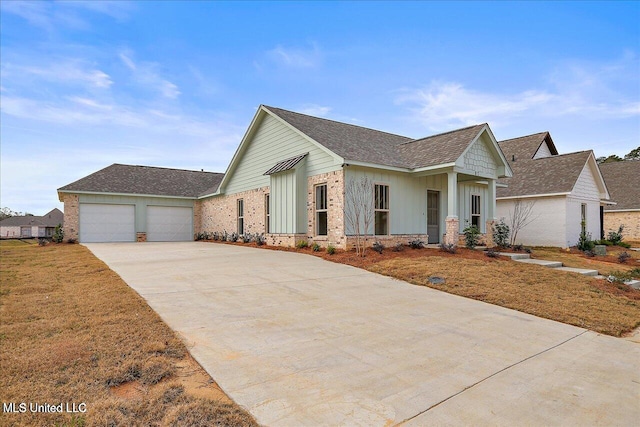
(381,209)
(240,216)
(267,219)
(583,217)
(475,210)
(321,210)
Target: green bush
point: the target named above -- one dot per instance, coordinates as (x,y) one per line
(58,234)
(501,234)
(471,236)
(584,242)
(378,247)
(302,244)
(331,250)
(416,244)
(615,237)
(315,247)
(448,247)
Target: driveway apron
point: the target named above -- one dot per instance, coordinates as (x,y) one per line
(299,341)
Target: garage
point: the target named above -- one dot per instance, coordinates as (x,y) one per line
(107,223)
(169,224)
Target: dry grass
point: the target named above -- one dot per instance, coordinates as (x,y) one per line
(565,297)
(604,264)
(72,331)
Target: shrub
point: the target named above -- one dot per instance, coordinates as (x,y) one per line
(42,242)
(233,237)
(416,244)
(315,247)
(501,234)
(623,257)
(528,250)
(603,242)
(471,236)
(399,247)
(260,239)
(378,247)
(584,241)
(590,253)
(492,253)
(302,244)
(624,245)
(58,234)
(615,237)
(448,247)
(331,250)
(518,247)
(71,241)
(216,236)
(247,238)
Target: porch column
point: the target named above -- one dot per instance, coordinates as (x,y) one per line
(452,222)
(491,213)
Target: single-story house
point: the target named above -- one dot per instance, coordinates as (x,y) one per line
(289,180)
(565,192)
(124,203)
(623,182)
(28,226)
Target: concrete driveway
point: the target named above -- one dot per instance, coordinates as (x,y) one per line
(300,341)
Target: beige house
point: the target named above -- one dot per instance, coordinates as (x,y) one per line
(288,180)
(29,226)
(623,182)
(566,192)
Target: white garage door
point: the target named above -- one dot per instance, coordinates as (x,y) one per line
(169,224)
(107,223)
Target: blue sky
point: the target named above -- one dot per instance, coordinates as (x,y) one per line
(175,84)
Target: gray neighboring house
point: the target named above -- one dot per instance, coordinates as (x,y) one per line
(31,226)
(125,203)
(623,182)
(567,191)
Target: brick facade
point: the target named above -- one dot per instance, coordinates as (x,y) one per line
(141,237)
(220,213)
(452,226)
(71,216)
(613,220)
(335,215)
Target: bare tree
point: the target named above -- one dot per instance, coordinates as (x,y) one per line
(520,217)
(359,210)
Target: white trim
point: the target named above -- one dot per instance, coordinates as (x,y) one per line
(433,167)
(127,194)
(375,166)
(530,196)
(621,210)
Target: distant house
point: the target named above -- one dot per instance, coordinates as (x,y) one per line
(30,225)
(567,191)
(288,181)
(623,182)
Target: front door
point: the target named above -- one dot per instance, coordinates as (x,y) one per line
(433,216)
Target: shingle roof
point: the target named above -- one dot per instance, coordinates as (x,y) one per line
(286,165)
(50,219)
(547,175)
(128,179)
(438,149)
(525,147)
(622,182)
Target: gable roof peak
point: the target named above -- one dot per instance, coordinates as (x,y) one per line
(445,133)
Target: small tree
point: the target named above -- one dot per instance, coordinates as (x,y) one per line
(58,234)
(471,236)
(520,217)
(359,210)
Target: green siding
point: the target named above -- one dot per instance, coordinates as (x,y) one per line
(407,198)
(464,204)
(140,203)
(271,143)
(288,202)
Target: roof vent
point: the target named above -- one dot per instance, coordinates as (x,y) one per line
(513,157)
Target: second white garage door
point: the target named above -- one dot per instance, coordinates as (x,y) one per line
(169,224)
(107,223)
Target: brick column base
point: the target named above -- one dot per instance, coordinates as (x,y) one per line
(451,236)
(141,237)
(489,236)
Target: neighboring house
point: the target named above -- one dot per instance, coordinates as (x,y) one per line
(287,180)
(123,203)
(30,225)
(567,190)
(623,182)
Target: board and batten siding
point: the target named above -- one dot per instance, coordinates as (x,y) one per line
(288,200)
(464,204)
(480,159)
(273,142)
(140,203)
(407,198)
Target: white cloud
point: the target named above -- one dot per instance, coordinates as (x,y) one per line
(146,74)
(315,110)
(296,57)
(585,91)
(59,70)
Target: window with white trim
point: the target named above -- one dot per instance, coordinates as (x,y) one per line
(321,210)
(475,210)
(583,217)
(240,216)
(381,210)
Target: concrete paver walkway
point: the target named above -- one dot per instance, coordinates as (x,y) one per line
(301,341)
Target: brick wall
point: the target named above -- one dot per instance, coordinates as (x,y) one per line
(71,216)
(613,220)
(335,216)
(220,213)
